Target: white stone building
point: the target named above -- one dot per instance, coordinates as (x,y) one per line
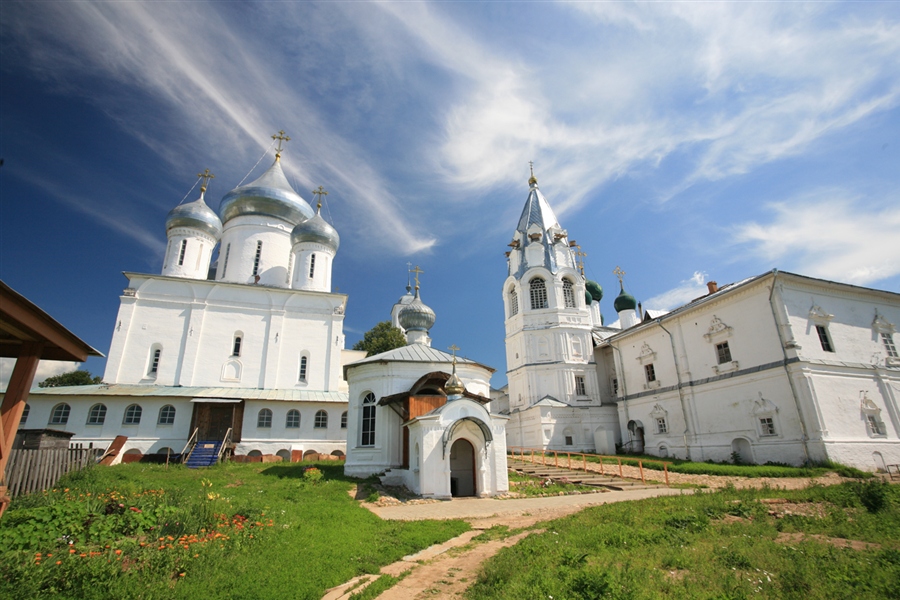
(253,344)
(420,416)
(779,367)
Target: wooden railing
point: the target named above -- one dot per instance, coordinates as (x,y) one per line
(535,454)
(226,442)
(192,441)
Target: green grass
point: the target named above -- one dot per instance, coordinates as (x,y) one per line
(281,535)
(693,547)
(527,485)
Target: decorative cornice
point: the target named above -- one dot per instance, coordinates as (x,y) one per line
(763,406)
(717,329)
(647,354)
(817,313)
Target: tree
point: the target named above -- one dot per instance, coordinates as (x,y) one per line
(72,378)
(381,338)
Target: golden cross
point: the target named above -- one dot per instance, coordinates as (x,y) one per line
(281,138)
(618,272)
(318,193)
(531,180)
(453,348)
(206,175)
(580,254)
(417,271)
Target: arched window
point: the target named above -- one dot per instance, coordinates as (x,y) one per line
(568,294)
(225,262)
(538,293)
(236,345)
(25,412)
(181,252)
(304,361)
(166,415)
(344,420)
(257,258)
(132,415)
(60,414)
(293,419)
(153,365)
(368,421)
(321,420)
(97,414)
(513,301)
(264,418)
(312,265)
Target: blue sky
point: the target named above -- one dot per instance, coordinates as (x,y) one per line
(684,142)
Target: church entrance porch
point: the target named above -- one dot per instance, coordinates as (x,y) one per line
(213,419)
(462,469)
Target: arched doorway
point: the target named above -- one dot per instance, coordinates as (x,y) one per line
(636,443)
(741,451)
(462,469)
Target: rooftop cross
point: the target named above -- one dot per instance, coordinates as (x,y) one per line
(453,348)
(532,180)
(417,271)
(318,193)
(618,272)
(580,254)
(206,175)
(408,270)
(281,138)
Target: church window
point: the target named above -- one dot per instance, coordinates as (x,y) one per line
(293,419)
(615,386)
(153,368)
(344,420)
(368,420)
(824,339)
(287,276)
(132,415)
(257,258)
(181,252)
(568,440)
(568,294)
(60,414)
(97,414)
(236,347)
(661,425)
(723,353)
(166,415)
(225,263)
(580,388)
(264,418)
(874,425)
(513,302)
(312,265)
(538,293)
(650,373)
(303,368)
(25,412)
(766,426)
(321,421)
(889,346)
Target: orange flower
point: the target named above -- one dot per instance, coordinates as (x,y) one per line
(118,552)
(71,550)
(59,562)
(182,574)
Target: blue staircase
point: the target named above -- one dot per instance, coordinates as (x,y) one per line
(205,454)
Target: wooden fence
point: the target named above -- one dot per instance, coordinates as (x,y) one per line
(35,470)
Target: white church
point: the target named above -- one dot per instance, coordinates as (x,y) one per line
(778,367)
(250,348)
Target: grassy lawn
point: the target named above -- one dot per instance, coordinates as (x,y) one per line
(231,531)
(712,545)
(531,486)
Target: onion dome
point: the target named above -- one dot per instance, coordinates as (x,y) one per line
(316,230)
(269,196)
(624,301)
(454,385)
(594,289)
(416,316)
(195,215)
(588,298)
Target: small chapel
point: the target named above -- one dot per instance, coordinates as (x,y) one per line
(422,418)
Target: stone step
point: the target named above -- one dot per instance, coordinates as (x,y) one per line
(589,478)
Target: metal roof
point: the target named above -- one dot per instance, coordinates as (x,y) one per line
(121,389)
(415,353)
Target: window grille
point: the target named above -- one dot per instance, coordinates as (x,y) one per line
(225,262)
(538,294)
(312,265)
(889,346)
(767,426)
(303,363)
(368,420)
(60,414)
(661,425)
(257,258)
(568,294)
(166,415)
(97,415)
(723,353)
(293,419)
(154,362)
(650,372)
(181,252)
(513,302)
(264,418)
(824,339)
(580,388)
(321,421)
(132,415)
(344,420)
(236,349)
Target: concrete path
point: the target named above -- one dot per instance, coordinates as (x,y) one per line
(482,508)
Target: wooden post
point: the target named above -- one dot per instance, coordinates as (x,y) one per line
(620,467)
(569,459)
(584,461)
(666,471)
(556,459)
(14,403)
(641,467)
(601,464)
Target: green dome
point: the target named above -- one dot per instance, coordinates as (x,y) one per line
(624,301)
(595,290)
(588,298)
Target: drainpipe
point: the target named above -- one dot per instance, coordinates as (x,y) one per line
(803,436)
(684,413)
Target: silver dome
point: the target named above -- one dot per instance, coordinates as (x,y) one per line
(316,230)
(416,316)
(196,215)
(271,195)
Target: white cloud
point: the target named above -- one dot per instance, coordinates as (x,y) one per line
(45,369)
(684,292)
(829,234)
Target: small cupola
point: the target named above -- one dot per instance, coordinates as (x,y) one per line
(417,318)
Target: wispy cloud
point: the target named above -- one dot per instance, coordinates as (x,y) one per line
(45,369)
(829,234)
(684,292)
